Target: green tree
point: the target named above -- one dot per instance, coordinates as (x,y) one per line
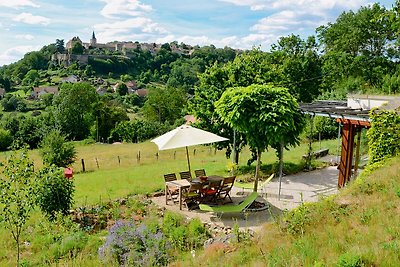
(165,104)
(56,151)
(264,114)
(122,89)
(60,48)
(31,78)
(17,195)
(73,112)
(54,191)
(248,68)
(358,45)
(108,114)
(77,49)
(5,139)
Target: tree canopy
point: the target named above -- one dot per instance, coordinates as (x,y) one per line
(266,115)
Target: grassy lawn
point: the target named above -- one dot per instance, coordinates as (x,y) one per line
(117,178)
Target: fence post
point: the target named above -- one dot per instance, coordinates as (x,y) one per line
(138,157)
(174,154)
(215,151)
(119,161)
(157,156)
(97,163)
(194,152)
(83,165)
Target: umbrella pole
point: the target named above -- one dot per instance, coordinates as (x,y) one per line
(187,156)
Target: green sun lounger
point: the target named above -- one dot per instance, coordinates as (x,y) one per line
(231,208)
(250,186)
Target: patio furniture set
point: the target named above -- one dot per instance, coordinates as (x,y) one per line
(191,192)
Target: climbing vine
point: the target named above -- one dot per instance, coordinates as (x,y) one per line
(384,135)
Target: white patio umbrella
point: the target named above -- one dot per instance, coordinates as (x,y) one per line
(184,136)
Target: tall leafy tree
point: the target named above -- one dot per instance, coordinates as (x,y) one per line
(297,66)
(264,114)
(358,45)
(248,68)
(73,112)
(60,48)
(165,105)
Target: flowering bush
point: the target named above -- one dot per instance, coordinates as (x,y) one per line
(138,246)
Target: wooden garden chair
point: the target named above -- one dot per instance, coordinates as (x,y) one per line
(191,196)
(199,173)
(172,192)
(186,175)
(210,191)
(226,187)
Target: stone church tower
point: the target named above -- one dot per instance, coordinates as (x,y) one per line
(93,41)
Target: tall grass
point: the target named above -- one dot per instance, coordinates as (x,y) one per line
(358,227)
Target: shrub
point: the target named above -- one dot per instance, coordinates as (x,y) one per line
(55,192)
(55,150)
(184,236)
(5,139)
(384,135)
(135,246)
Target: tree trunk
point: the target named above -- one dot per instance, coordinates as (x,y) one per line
(257,170)
(17,239)
(280,170)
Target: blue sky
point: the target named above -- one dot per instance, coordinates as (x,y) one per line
(27,25)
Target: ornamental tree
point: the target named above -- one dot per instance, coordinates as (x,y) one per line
(17,195)
(266,115)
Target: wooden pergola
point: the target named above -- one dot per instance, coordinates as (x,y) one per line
(353,121)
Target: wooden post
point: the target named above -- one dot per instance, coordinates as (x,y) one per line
(194,152)
(83,165)
(97,163)
(174,154)
(138,157)
(119,161)
(357,159)
(157,156)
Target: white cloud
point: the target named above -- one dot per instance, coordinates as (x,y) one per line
(28,37)
(121,30)
(17,3)
(16,53)
(28,18)
(117,8)
(315,6)
(285,21)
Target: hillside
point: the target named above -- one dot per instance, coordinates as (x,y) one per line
(358,227)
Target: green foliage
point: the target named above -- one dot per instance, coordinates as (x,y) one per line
(165,105)
(297,220)
(55,192)
(384,135)
(55,150)
(184,236)
(5,139)
(77,48)
(108,115)
(74,109)
(350,260)
(136,131)
(17,194)
(122,89)
(13,103)
(264,114)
